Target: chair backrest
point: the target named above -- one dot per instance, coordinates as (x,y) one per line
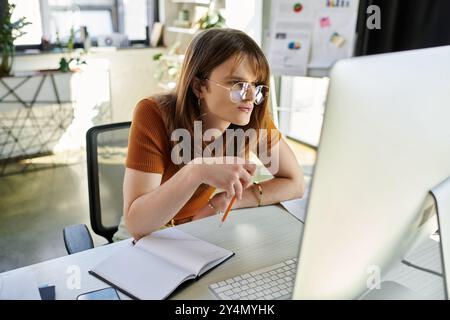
(106,150)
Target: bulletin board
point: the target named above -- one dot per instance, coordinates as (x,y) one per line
(310,34)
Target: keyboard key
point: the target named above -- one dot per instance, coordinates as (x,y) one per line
(236,290)
(284,292)
(245,276)
(224,297)
(214,286)
(222,283)
(276,295)
(252,297)
(259,294)
(235,297)
(223,289)
(266,269)
(228,293)
(268,297)
(229,281)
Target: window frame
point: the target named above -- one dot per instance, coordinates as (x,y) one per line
(117,20)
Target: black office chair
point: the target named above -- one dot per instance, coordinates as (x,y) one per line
(106,149)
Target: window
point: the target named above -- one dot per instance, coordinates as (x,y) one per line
(135,19)
(98,16)
(98,22)
(31,10)
(101,17)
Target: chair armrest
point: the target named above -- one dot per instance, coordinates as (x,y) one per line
(77,238)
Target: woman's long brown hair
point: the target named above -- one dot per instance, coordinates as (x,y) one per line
(207,50)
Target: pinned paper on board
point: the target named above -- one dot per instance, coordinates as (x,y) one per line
(310,34)
(290,52)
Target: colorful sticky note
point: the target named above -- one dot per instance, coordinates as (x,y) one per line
(298,7)
(294,45)
(324,22)
(337,39)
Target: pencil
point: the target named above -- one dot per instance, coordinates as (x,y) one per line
(228,210)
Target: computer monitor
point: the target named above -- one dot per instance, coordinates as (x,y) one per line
(385,143)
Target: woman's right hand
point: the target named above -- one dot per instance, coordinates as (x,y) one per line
(231,174)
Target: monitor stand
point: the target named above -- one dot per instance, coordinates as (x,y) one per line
(391,290)
(441,195)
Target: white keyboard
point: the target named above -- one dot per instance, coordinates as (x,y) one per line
(275,282)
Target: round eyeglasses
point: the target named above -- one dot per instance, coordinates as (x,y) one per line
(240,91)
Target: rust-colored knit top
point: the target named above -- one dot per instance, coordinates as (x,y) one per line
(149,151)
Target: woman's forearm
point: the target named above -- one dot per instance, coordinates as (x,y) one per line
(154,209)
(274,191)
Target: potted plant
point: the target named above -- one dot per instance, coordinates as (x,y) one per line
(9,31)
(70,61)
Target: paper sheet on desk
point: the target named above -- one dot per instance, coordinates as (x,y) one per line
(296,207)
(19,285)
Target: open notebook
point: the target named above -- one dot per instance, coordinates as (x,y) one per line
(157,264)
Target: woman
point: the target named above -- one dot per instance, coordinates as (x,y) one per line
(223,86)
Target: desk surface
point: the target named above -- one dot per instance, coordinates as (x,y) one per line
(259,237)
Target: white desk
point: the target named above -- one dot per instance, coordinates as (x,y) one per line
(258,236)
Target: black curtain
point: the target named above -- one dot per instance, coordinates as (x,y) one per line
(405,25)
